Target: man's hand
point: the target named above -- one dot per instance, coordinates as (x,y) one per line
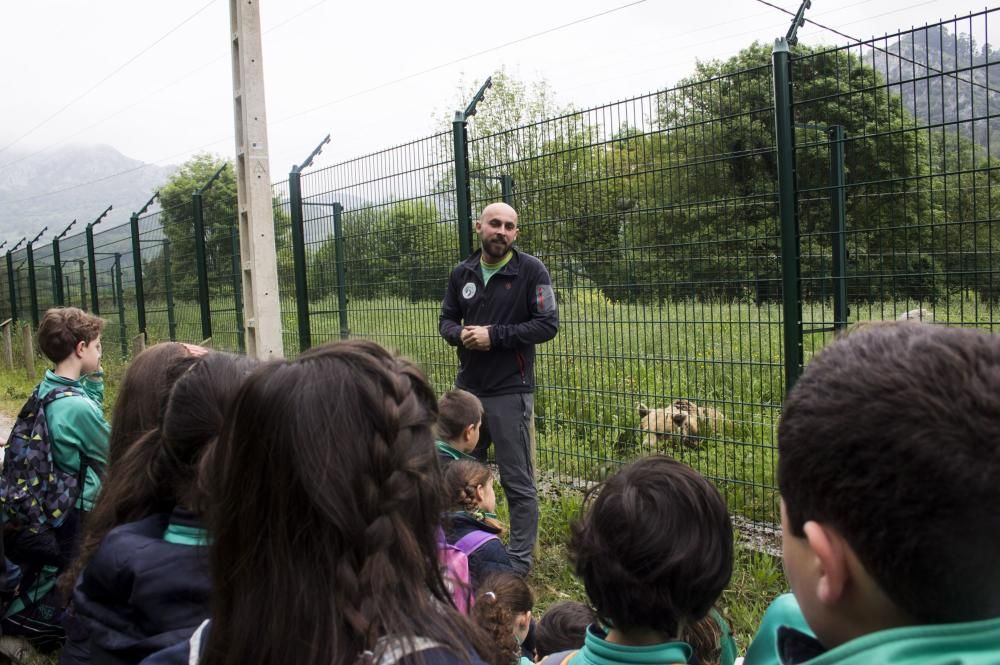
(476,338)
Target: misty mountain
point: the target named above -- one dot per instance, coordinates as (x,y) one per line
(963,99)
(25,183)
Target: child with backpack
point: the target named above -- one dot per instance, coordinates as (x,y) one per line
(460,415)
(654,549)
(323,511)
(147,585)
(472,526)
(503,609)
(52,470)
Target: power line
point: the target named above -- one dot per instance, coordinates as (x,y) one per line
(103,80)
(463,58)
(356,94)
(926,65)
(202,66)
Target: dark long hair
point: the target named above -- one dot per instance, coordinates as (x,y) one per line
(326,498)
(161,469)
(138,412)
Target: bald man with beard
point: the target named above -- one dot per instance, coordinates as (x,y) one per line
(498,306)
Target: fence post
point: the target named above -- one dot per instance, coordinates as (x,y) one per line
(57,280)
(241,333)
(787,212)
(459,128)
(57,273)
(8,344)
(32,285)
(507,189)
(28,347)
(92,262)
(299,258)
(463,192)
(11,286)
(140,296)
(838,219)
(202,265)
(338,251)
(83,285)
(120,294)
(168,287)
(95,306)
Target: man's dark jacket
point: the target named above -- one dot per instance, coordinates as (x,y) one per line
(519,306)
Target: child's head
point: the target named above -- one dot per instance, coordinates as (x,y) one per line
(70,332)
(158,469)
(194,417)
(562,627)
(142,394)
(889,469)
(325,503)
(469,486)
(503,609)
(460,415)
(654,547)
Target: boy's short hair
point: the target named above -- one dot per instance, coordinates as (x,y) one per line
(457,409)
(62,328)
(655,548)
(563,627)
(892,437)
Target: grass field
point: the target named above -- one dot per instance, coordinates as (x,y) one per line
(606,360)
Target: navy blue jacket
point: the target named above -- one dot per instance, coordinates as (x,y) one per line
(491,557)
(520,307)
(180,654)
(141,593)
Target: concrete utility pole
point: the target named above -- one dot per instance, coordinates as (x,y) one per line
(261,302)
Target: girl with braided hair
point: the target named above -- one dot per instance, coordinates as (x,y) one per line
(472,525)
(503,609)
(323,519)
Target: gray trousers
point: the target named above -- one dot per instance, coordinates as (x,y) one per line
(507,425)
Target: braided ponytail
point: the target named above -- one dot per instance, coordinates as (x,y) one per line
(327,497)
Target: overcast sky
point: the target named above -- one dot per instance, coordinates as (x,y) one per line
(153,80)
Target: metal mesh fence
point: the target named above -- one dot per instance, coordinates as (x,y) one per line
(658,229)
(157,279)
(286,269)
(75,271)
(222,261)
(45,275)
(115,282)
(658,219)
(394,210)
(918,230)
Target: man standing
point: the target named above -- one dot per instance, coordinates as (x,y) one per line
(498,305)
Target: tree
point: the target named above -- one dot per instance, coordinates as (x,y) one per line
(218,214)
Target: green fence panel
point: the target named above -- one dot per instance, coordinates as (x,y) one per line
(398,245)
(657,221)
(920,109)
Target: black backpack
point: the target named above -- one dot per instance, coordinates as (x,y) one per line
(34,492)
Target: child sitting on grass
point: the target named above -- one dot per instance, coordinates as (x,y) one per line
(654,549)
(472,525)
(42,526)
(503,609)
(460,415)
(562,627)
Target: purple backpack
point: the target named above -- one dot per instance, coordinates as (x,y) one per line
(454,560)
